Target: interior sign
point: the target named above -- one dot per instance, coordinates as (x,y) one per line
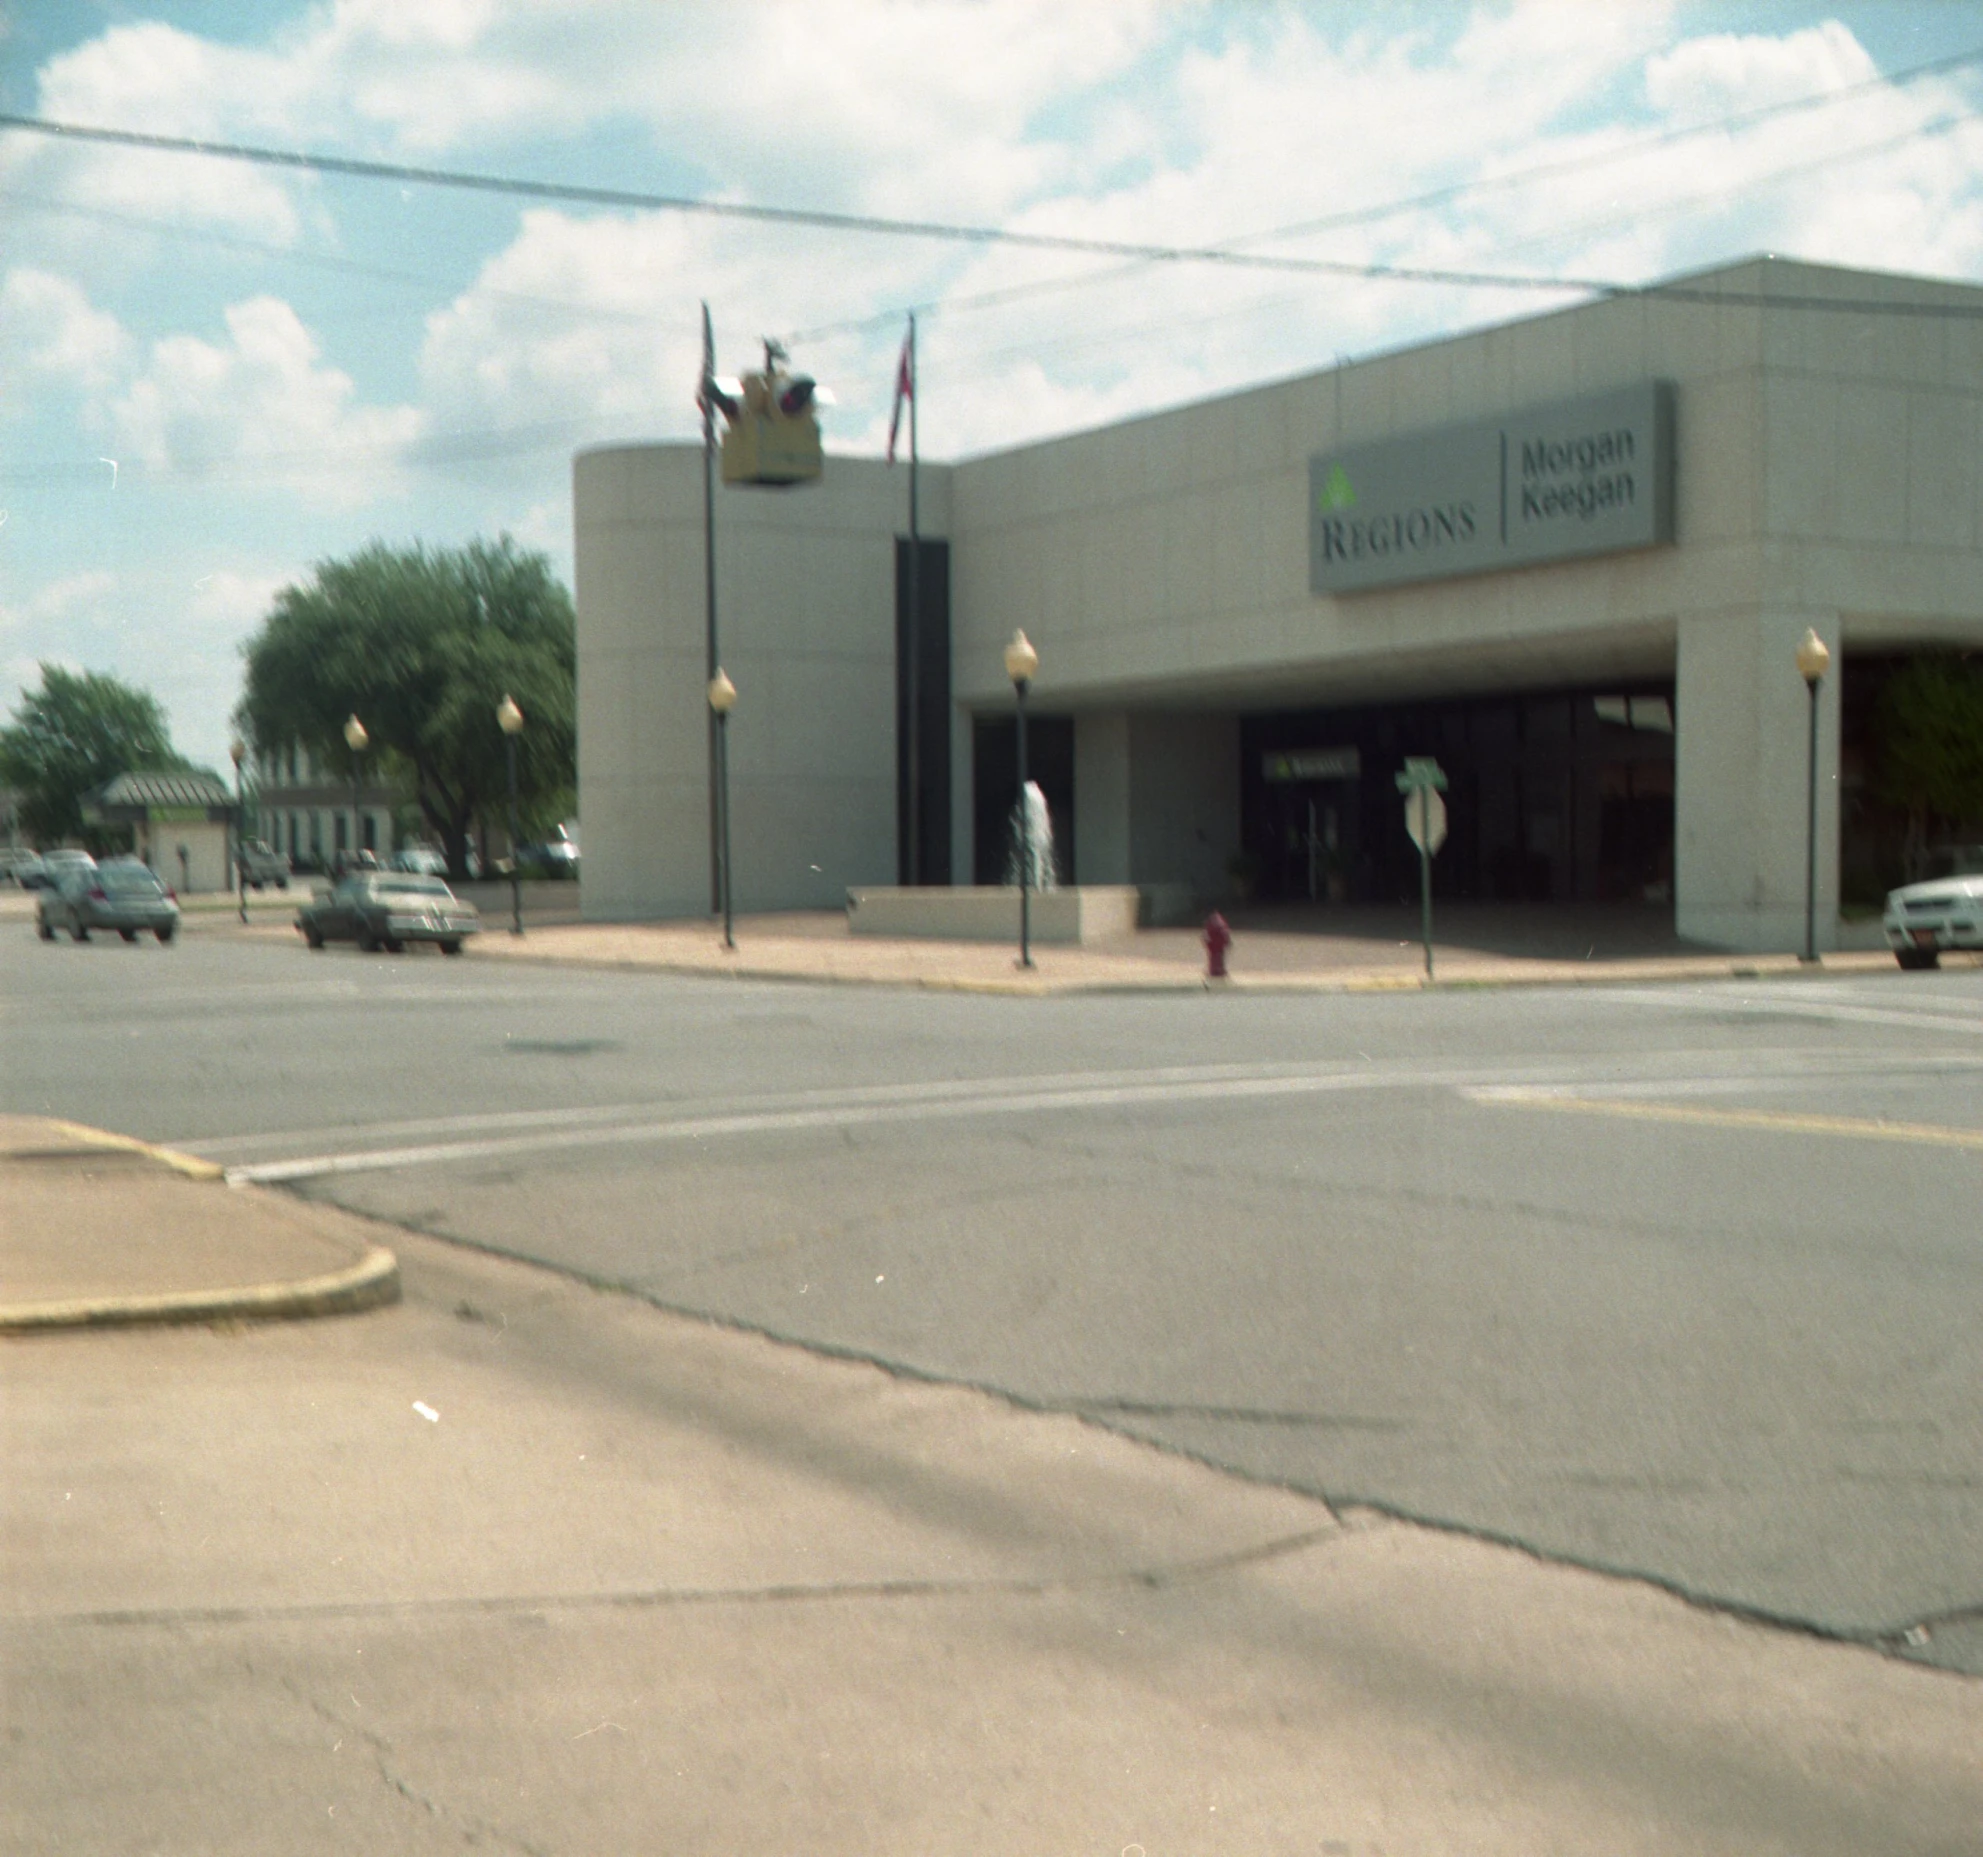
(1580,477)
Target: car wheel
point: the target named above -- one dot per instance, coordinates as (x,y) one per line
(450,947)
(1918,960)
(129,934)
(314,940)
(47,930)
(392,944)
(282,883)
(166,931)
(368,943)
(77,932)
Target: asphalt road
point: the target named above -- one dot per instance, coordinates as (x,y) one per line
(1680,1281)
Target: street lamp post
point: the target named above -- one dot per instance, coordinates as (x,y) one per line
(509,719)
(722,699)
(1813,660)
(357,741)
(1021,662)
(237,752)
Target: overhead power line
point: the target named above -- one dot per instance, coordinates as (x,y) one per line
(1581,164)
(1232,255)
(633,200)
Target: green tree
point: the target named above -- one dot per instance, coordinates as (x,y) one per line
(79,730)
(1929,728)
(422,645)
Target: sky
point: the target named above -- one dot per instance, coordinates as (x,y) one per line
(214,376)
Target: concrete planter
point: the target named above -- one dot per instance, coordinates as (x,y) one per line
(1072,917)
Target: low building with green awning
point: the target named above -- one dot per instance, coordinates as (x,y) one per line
(181,825)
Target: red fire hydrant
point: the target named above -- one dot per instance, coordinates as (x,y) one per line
(1218,938)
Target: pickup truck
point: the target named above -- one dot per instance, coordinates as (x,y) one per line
(260,864)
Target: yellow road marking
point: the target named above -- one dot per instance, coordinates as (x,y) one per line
(188,1164)
(1925,1134)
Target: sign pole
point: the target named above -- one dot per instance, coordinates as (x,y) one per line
(1425,825)
(1424,798)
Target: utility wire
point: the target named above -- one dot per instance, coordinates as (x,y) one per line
(1233,253)
(818,219)
(1441,196)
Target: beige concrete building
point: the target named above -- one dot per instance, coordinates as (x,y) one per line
(1570,557)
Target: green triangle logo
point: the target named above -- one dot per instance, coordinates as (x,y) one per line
(1337,491)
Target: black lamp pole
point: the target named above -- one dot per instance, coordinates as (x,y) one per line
(509,719)
(722,699)
(1021,661)
(356,740)
(238,751)
(1813,660)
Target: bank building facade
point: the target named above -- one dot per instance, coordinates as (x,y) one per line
(1571,557)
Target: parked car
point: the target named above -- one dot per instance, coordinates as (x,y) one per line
(554,858)
(121,894)
(420,861)
(24,868)
(1924,918)
(388,909)
(261,864)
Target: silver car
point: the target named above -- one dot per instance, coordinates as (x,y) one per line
(1923,919)
(123,895)
(381,909)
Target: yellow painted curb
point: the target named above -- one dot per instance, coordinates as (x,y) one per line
(188,1164)
(367,1284)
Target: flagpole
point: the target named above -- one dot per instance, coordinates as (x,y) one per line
(915,859)
(705,393)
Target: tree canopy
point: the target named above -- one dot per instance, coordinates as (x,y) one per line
(1929,726)
(79,730)
(422,646)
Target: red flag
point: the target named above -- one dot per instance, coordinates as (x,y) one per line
(905,389)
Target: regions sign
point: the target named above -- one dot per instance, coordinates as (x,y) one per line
(1580,477)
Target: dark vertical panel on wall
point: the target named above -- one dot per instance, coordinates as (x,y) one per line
(931,656)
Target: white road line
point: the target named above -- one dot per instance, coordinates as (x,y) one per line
(923,1106)
(473,1138)
(1778,1003)
(497,1121)
(402,1131)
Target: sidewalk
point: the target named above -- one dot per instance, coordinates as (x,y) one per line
(1274,951)
(102,1231)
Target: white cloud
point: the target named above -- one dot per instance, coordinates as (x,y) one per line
(1712,76)
(62,598)
(161,81)
(48,326)
(262,408)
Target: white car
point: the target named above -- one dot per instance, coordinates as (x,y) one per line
(1922,919)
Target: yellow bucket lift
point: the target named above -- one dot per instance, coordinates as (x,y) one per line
(772,431)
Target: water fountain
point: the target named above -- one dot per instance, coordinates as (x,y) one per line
(1036,837)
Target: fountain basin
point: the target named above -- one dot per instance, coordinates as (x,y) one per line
(1073,917)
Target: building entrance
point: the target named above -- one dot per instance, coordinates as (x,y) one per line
(1552,796)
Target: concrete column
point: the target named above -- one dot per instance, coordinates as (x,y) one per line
(1740,781)
(963,794)
(1184,803)
(1101,797)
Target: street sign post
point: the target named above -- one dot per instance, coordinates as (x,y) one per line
(1422,781)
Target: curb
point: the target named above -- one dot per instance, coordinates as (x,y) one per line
(1352,980)
(368,1284)
(188,1164)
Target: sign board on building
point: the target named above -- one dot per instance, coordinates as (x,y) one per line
(1551,483)
(1312,764)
